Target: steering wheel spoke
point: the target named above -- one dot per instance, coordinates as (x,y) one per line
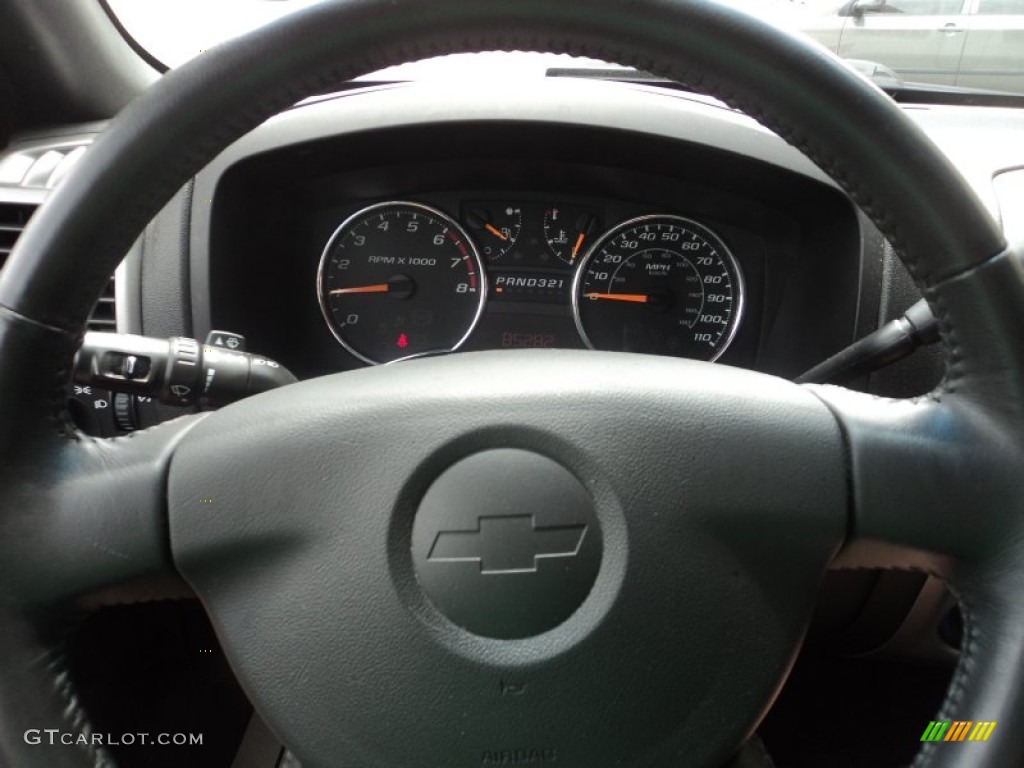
(937,477)
(92,517)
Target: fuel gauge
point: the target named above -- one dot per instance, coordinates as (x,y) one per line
(494,226)
(568,230)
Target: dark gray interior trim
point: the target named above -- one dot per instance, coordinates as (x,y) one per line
(128,291)
(1009,189)
(69,61)
(164,270)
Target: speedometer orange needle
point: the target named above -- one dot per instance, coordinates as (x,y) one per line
(639,298)
(379,288)
(495,231)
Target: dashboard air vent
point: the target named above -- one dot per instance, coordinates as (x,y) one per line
(13,218)
(104,316)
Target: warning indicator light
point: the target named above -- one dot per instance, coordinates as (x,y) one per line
(402,341)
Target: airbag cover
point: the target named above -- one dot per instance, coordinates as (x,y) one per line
(712,499)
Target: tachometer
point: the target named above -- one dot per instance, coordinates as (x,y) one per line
(398,280)
(659,284)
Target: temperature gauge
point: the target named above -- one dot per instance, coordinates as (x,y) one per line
(568,230)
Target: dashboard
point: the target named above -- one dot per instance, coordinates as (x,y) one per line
(370,247)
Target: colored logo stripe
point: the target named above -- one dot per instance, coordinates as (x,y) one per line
(982,731)
(958,730)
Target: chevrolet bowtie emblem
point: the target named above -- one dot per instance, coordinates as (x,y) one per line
(507,544)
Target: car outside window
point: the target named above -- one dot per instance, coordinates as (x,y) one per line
(1000,8)
(917,7)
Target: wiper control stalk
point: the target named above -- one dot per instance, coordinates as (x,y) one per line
(177,371)
(917,327)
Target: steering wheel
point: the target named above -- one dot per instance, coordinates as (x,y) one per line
(515,557)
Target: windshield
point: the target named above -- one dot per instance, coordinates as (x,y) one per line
(948,44)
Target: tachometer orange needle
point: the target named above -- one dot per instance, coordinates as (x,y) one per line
(495,231)
(579,244)
(379,288)
(639,298)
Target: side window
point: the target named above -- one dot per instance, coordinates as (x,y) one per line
(1001,7)
(924,7)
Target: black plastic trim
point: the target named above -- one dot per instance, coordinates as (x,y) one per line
(134,44)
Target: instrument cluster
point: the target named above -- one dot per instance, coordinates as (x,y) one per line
(401,279)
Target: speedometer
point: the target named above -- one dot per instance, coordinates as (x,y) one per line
(659,284)
(399,280)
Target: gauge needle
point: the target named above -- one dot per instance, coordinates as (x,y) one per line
(639,298)
(495,231)
(576,248)
(379,288)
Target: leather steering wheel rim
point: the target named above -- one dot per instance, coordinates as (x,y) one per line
(934,480)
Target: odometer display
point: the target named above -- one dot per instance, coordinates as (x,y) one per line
(398,280)
(661,285)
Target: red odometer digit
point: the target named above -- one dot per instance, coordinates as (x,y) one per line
(398,280)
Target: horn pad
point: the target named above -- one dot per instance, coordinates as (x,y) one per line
(506,543)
